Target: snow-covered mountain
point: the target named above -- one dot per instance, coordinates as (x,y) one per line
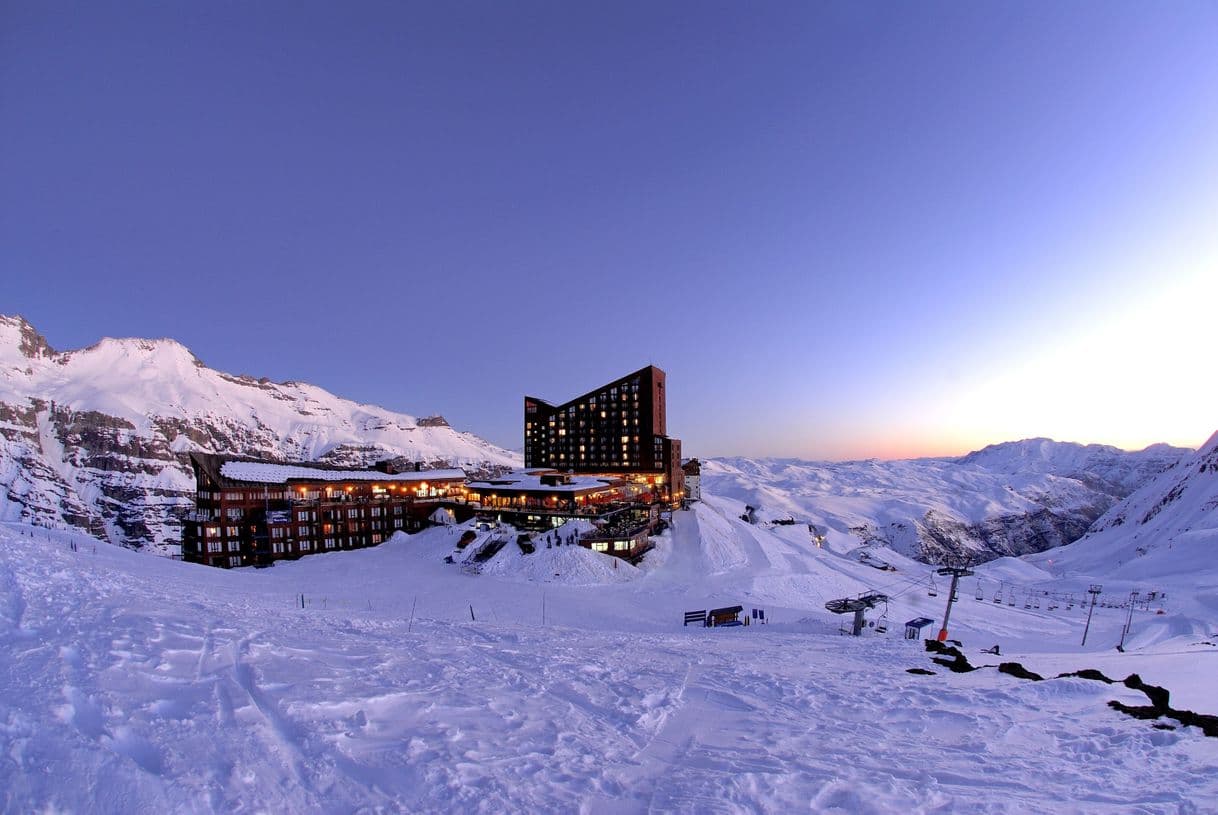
(1168,527)
(97,438)
(1014,498)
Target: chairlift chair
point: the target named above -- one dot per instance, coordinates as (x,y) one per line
(933,591)
(998,594)
(978,594)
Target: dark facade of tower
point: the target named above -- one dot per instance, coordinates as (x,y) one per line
(620,428)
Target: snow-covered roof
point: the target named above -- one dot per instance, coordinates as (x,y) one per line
(530,481)
(264,473)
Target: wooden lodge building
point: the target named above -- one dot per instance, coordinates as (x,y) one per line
(251,513)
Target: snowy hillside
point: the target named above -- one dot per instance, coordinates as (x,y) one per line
(1008,499)
(96,438)
(1168,527)
(558,682)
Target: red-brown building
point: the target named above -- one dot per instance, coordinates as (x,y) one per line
(250,512)
(618,429)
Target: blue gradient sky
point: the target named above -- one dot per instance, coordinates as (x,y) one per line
(844,229)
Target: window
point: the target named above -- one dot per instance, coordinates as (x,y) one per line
(305,546)
(329,543)
(600,546)
(277,548)
(234,546)
(353,513)
(277,532)
(215,546)
(302,530)
(234,561)
(376,512)
(621,546)
(377,538)
(397,510)
(211,531)
(234,513)
(233,531)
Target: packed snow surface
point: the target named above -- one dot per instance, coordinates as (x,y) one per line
(263,473)
(388,680)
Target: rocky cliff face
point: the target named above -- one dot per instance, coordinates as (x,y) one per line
(97,438)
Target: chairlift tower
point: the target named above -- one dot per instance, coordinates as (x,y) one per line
(956,572)
(1094,590)
(1133,598)
(858,605)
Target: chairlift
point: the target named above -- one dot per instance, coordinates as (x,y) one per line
(998,594)
(1011,596)
(978,594)
(1036,601)
(881,623)
(933,591)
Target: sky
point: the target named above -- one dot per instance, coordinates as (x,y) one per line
(844,229)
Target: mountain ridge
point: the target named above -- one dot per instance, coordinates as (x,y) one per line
(97,438)
(1008,499)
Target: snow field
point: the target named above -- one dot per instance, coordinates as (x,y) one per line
(133,683)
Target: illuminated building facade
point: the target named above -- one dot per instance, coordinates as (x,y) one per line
(252,513)
(618,429)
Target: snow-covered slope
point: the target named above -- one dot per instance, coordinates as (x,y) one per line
(96,438)
(552,682)
(1167,527)
(1008,499)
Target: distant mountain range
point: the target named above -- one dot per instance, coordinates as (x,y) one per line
(98,438)
(1167,527)
(1014,498)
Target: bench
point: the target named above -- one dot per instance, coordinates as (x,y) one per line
(696,617)
(725,616)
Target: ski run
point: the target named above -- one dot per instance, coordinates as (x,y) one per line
(388,680)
